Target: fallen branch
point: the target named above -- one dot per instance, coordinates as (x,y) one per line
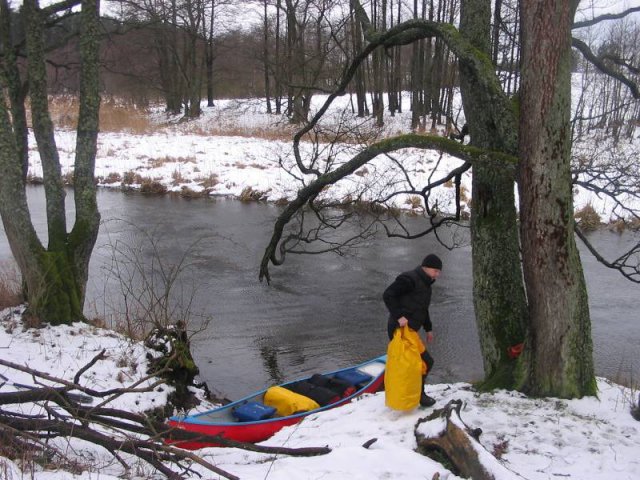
(459,445)
(117,431)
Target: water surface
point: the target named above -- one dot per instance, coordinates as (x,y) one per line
(320,312)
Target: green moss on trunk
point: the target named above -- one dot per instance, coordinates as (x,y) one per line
(54,294)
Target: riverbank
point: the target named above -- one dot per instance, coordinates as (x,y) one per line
(236,150)
(595,439)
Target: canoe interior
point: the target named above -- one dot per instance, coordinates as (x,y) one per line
(223,415)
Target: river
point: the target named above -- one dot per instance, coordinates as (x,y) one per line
(320,312)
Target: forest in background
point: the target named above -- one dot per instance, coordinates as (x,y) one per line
(183,53)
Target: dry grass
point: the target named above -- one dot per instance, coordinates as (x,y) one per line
(251,195)
(587,218)
(273,133)
(114,115)
(112,177)
(130,177)
(187,192)
(208,182)
(159,162)
(414,201)
(149,185)
(10,285)
(177,178)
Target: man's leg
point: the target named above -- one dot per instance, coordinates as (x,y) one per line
(426,400)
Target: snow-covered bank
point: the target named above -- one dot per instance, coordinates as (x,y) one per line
(587,439)
(208,157)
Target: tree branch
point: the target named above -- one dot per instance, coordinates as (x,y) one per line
(466,153)
(602,18)
(600,65)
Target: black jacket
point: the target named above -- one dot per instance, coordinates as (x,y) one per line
(409,296)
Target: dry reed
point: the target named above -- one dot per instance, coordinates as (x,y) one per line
(10,285)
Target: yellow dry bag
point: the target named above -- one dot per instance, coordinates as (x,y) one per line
(287,402)
(403,374)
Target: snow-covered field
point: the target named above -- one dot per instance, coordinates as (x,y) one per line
(587,439)
(202,157)
(236,147)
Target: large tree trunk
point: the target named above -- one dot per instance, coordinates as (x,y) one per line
(54,278)
(498,290)
(559,358)
(17,92)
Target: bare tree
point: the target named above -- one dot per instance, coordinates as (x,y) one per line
(55,277)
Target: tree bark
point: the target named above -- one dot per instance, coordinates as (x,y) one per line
(559,358)
(54,278)
(265,57)
(498,290)
(17,91)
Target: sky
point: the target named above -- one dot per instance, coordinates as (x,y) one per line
(536,439)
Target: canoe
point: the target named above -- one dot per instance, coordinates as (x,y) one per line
(222,421)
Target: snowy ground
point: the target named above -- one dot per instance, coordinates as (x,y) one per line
(587,439)
(538,438)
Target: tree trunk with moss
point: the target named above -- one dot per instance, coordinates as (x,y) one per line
(559,359)
(54,277)
(498,290)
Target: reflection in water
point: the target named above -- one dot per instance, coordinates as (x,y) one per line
(321,312)
(269,356)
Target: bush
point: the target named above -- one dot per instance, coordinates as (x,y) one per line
(10,289)
(149,185)
(248,194)
(587,218)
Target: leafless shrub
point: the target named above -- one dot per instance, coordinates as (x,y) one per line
(112,177)
(10,286)
(151,290)
(149,185)
(587,218)
(635,408)
(67,178)
(208,182)
(248,194)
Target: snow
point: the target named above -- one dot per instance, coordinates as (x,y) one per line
(200,157)
(591,438)
(539,438)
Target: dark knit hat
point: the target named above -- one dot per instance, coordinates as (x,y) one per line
(432,261)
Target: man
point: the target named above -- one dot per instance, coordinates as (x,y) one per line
(407,300)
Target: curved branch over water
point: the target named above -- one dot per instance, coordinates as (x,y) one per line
(309,193)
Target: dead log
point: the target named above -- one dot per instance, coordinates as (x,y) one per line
(444,437)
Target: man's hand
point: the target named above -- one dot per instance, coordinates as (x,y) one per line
(402,321)
(429,337)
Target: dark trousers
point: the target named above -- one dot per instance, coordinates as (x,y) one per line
(426,357)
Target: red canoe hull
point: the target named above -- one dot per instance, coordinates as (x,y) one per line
(253,432)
